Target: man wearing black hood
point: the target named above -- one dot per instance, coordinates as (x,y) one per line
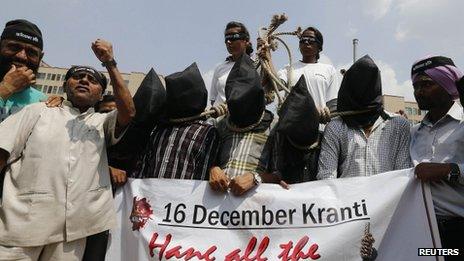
(244,152)
(368,143)
(296,136)
(20,55)
(182,146)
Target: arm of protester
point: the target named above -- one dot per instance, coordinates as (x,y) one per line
(126,110)
(275,179)
(16,80)
(241,184)
(330,151)
(430,171)
(54,101)
(403,158)
(118,176)
(218,180)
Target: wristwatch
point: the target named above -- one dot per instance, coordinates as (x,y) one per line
(454,174)
(257,178)
(111,62)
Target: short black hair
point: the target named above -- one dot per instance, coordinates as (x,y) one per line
(105,98)
(318,35)
(243,29)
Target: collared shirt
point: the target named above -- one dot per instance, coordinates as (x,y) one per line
(242,152)
(18,100)
(57,185)
(218,83)
(184,151)
(442,142)
(347,152)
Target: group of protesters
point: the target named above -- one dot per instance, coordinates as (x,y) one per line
(59,169)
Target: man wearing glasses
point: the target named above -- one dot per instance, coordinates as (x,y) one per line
(57,188)
(321,79)
(237,40)
(20,55)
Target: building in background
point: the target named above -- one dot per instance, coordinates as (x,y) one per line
(50,80)
(396,103)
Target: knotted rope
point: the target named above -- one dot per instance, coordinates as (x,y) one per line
(213,112)
(367,251)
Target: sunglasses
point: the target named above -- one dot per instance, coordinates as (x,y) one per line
(234,37)
(308,40)
(16,47)
(81,75)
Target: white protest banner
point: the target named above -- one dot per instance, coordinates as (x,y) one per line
(163,219)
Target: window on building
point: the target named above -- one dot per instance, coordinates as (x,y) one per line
(414,111)
(38,87)
(50,88)
(55,89)
(41,76)
(53,77)
(49,75)
(58,77)
(408,110)
(60,90)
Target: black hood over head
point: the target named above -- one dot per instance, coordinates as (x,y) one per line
(361,88)
(298,116)
(244,93)
(186,93)
(150,102)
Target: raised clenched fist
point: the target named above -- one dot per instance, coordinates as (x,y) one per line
(103,50)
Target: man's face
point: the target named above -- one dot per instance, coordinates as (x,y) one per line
(429,94)
(235,47)
(20,54)
(83,89)
(310,48)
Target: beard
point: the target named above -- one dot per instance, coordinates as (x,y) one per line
(7,61)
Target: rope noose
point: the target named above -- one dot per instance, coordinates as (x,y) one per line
(367,251)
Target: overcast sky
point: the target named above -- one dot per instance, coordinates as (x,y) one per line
(170,35)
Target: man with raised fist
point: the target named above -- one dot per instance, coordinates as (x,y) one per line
(57,188)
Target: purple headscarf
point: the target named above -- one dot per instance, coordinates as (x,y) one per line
(441,70)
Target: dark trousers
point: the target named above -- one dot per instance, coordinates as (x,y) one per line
(95,247)
(452,235)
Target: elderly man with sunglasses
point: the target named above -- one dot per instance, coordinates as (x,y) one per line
(20,55)
(57,188)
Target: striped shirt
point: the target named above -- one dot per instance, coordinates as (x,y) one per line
(184,151)
(242,152)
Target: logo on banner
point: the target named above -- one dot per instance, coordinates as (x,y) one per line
(141,212)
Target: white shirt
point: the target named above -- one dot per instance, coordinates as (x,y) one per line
(57,185)
(442,142)
(218,83)
(322,80)
(347,152)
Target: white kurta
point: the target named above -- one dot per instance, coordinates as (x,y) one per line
(57,185)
